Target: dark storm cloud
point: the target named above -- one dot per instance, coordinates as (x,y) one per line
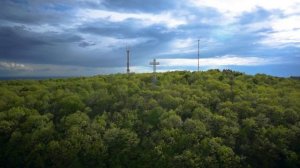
(23,44)
(17,43)
(27,12)
(106,28)
(126,29)
(16,38)
(86,44)
(158,36)
(62,32)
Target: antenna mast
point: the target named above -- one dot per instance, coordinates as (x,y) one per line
(198,54)
(128,52)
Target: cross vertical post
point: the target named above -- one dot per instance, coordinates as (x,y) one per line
(154,63)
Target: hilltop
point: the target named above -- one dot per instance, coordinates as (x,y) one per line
(188,119)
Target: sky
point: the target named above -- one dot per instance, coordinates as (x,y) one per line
(89,37)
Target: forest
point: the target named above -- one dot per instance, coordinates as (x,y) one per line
(214,118)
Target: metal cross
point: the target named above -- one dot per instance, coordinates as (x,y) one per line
(154,63)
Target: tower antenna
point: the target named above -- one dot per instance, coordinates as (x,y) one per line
(198,54)
(128,53)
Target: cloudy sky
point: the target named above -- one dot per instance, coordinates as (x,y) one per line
(89,37)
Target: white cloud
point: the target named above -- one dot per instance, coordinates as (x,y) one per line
(68,70)
(282,38)
(12,66)
(287,23)
(107,43)
(189,45)
(283,21)
(227,60)
(46,28)
(184,43)
(182,46)
(146,19)
(286,31)
(234,8)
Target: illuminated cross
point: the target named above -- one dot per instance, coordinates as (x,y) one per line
(154,63)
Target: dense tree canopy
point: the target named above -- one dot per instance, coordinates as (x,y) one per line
(188,119)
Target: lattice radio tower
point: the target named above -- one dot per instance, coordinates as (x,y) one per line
(128,53)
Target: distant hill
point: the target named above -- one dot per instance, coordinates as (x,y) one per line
(188,119)
(295,77)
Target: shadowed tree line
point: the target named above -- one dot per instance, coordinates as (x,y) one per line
(189,119)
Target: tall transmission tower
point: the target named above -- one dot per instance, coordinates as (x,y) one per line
(198,53)
(154,63)
(128,52)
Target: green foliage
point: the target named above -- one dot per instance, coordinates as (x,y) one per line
(190,119)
